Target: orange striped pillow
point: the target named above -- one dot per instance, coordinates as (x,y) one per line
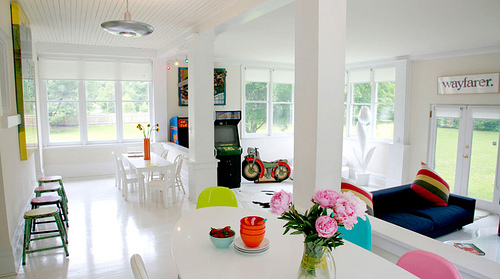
(431,186)
(360,193)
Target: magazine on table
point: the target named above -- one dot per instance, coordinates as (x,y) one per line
(469,247)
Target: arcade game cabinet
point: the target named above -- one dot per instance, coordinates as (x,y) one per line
(227,146)
(179,133)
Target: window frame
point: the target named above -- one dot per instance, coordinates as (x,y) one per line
(82,114)
(373,105)
(269,104)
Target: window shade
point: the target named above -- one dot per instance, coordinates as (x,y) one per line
(94,69)
(283,76)
(384,74)
(359,76)
(257,75)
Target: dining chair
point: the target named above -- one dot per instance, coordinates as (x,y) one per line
(360,235)
(138,267)
(127,178)
(178,167)
(164,154)
(427,265)
(166,181)
(118,177)
(216,196)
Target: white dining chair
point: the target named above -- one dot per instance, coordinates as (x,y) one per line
(118,176)
(157,148)
(138,267)
(178,166)
(127,178)
(161,185)
(164,154)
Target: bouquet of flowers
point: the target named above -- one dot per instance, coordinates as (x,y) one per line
(319,224)
(147,131)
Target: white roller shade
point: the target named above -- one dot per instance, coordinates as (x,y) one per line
(257,75)
(359,76)
(283,76)
(93,69)
(384,74)
(485,113)
(448,112)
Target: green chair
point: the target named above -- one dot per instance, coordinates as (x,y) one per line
(216,196)
(360,235)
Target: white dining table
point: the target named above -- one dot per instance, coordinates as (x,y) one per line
(196,257)
(144,167)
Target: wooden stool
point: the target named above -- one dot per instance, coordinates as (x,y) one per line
(43,212)
(50,188)
(51,179)
(50,200)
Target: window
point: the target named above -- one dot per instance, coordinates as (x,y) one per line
(375,89)
(92,117)
(268,101)
(93,100)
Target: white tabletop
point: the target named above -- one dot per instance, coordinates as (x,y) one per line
(196,256)
(156,162)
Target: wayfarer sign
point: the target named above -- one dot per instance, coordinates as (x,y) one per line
(469,84)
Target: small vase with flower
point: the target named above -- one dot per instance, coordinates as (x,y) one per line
(319,226)
(146,131)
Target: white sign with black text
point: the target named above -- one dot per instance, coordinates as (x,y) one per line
(469,84)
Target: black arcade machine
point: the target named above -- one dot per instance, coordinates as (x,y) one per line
(227,146)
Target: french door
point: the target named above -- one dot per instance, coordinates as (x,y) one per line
(464,148)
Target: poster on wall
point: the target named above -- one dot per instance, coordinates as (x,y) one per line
(469,84)
(219,86)
(24,81)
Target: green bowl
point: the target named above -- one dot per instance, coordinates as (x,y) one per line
(222,243)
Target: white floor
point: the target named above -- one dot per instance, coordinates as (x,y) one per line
(105,231)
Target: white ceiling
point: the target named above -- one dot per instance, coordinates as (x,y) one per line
(376,29)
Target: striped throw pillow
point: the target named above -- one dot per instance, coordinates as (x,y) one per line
(360,193)
(431,186)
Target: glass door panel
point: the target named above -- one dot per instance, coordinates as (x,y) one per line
(446,149)
(483,159)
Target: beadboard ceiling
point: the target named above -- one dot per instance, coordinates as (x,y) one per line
(376,29)
(78,21)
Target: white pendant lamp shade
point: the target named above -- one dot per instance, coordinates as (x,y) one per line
(127,27)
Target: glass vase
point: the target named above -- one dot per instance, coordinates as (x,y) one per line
(317,262)
(147,149)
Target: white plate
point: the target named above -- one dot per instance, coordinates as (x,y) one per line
(240,246)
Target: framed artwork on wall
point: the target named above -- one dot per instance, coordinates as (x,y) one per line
(24,81)
(219,86)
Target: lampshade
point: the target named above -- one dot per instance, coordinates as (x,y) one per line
(127,27)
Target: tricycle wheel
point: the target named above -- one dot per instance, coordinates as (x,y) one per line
(281,173)
(250,171)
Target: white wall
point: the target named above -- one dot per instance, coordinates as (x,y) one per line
(424,93)
(18,178)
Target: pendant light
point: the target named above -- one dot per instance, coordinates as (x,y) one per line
(127,27)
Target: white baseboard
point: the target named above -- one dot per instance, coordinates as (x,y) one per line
(81,169)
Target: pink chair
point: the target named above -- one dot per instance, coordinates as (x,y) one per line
(427,265)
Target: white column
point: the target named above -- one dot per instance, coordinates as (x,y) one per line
(202,163)
(159,96)
(319,96)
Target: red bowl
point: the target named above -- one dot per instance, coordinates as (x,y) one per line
(253,232)
(252,240)
(252,221)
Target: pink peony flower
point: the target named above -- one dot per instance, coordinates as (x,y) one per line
(325,198)
(280,202)
(326,226)
(348,208)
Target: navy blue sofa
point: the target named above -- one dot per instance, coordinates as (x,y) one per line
(401,206)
